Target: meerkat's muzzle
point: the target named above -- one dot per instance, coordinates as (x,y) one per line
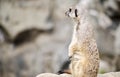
(67,13)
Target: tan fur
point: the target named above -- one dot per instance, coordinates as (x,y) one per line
(83,49)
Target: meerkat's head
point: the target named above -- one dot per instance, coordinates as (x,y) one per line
(72,12)
(76,13)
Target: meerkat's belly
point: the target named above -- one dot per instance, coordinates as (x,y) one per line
(82,65)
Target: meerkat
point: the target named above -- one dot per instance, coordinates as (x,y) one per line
(83,50)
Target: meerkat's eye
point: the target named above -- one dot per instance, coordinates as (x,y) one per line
(70,9)
(76,13)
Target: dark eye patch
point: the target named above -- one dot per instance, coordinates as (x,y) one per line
(70,9)
(76,13)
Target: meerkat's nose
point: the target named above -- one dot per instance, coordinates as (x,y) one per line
(67,12)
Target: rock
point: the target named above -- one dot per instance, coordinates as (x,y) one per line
(110,7)
(104,21)
(117,41)
(53,75)
(2,37)
(17,16)
(117,48)
(105,67)
(47,74)
(111,74)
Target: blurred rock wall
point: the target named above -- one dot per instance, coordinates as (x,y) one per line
(35,34)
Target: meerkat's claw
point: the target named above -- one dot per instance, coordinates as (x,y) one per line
(70,57)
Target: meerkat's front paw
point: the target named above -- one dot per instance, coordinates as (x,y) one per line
(72,48)
(70,56)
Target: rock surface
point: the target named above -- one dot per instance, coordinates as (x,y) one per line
(111,74)
(53,75)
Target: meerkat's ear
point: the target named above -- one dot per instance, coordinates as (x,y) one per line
(76,11)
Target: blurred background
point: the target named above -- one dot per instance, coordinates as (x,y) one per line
(35,35)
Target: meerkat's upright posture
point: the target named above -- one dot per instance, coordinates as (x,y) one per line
(83,49)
